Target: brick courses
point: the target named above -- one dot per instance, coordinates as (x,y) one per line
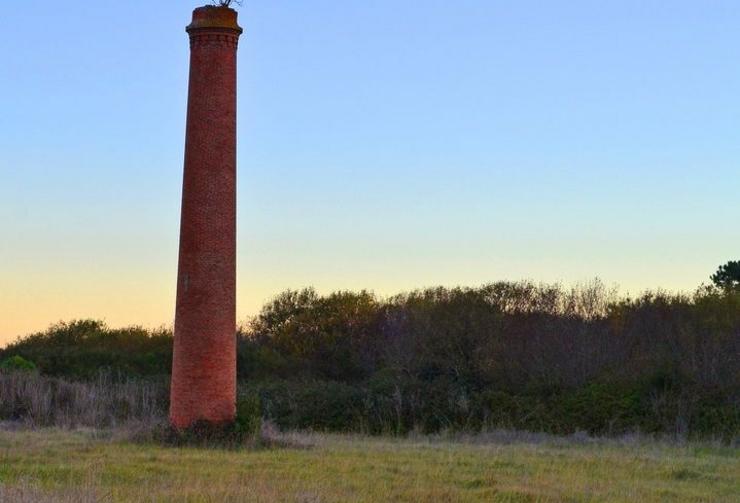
(204,358)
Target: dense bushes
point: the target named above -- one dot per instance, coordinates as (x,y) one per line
(519,355)
(431,407)
(508,354)
(81,349)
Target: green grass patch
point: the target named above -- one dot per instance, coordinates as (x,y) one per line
(336,468)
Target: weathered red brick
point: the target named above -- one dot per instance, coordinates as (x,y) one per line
(204,358)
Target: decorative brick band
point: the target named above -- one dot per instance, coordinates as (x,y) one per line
(219,39)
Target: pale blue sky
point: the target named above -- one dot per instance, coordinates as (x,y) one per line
(383,144)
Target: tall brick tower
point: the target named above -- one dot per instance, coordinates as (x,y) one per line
(204,359)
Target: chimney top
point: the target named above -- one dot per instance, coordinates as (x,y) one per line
(214,17)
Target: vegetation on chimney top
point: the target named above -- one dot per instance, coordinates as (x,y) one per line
(226,3)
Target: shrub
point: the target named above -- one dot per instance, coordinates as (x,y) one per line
(248,414)
(17,363)
(206,434)
(82,349)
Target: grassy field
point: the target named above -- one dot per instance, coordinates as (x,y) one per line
(52,465)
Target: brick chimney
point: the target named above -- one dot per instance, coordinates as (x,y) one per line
(204,358)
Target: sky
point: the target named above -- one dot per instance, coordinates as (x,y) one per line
(384,145)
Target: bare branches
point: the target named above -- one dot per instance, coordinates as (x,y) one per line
(226,3)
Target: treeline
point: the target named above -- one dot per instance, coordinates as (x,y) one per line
(517,355)
(82,349)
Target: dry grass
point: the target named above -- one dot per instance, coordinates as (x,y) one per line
(53,465)
(105,402)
